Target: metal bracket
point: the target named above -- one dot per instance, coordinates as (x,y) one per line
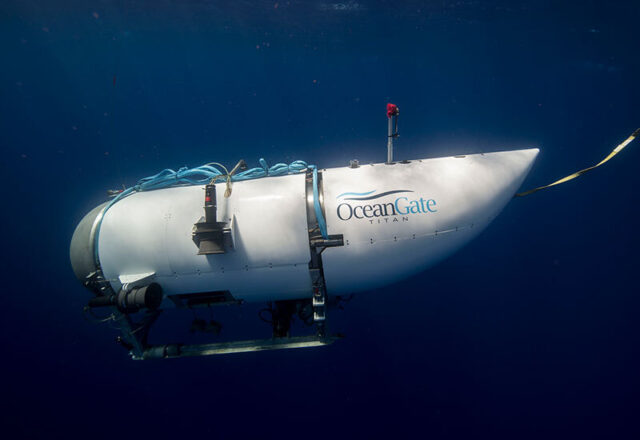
(317,245)
(179,350)
(331,241)
(133,339)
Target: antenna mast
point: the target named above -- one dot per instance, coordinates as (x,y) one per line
(392,115)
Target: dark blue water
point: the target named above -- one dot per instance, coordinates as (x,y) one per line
(531,331)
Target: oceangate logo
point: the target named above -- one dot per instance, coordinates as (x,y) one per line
(404,206)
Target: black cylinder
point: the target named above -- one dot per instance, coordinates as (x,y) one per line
(210,204)
(148,297)
(103,301)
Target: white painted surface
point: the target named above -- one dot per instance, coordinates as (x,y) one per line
(467,193)
(151,231)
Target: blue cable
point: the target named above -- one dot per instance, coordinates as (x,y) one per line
(316,204)
(204,174)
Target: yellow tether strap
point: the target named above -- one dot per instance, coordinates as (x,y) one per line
(581,172)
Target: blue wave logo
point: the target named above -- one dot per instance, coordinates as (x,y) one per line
(369,196)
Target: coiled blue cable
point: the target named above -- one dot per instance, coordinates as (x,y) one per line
(204,174)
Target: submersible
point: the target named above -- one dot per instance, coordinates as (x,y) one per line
(294,236)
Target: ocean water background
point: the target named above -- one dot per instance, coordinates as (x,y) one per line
(531,331)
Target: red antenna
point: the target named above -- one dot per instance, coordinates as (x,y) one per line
(392,114)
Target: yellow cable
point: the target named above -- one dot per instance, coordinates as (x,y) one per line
(581,172)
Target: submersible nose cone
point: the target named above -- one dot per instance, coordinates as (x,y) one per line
(81,249)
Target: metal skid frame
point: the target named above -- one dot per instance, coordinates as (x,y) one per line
(134,334)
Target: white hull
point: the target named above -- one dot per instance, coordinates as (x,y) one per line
(466,193)
(434,207)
